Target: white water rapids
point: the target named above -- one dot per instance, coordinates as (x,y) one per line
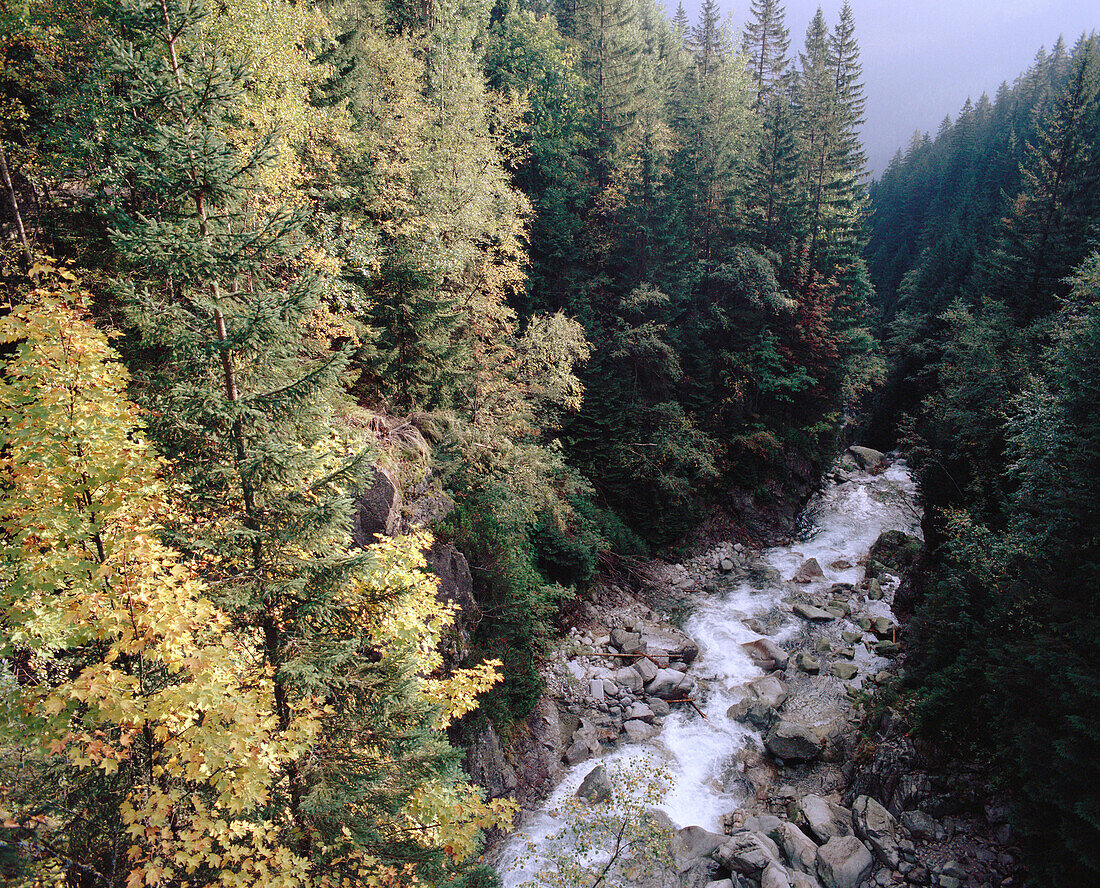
(699,755)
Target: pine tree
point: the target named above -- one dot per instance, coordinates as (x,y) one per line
(765,45)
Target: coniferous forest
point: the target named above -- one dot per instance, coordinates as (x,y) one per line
(558,283)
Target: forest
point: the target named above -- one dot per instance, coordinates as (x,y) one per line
(568,279)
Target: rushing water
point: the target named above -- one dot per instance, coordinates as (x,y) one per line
(699,754)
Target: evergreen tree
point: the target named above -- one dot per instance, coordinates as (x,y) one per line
(765,44)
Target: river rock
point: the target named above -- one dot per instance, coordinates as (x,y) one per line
(585,744)
(747,853)
(774,877)
(824,819)
(766,654)
(762,573)
(639,710)
(802,880)
(866,458)
(813,614)
(666,644)
(595,788)
(646,668)
(845,671)
(874,589)
(883,627)
(670,684)
(808,571)
(761,698)
(595,690)
(627,642)
(808,664)
(637,730)
(887,648)
(844,862)
(798,849)
(793,741)
(693,843)
(628,678)
(660,707)
(878,828)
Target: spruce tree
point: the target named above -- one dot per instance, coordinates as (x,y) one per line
(765,44)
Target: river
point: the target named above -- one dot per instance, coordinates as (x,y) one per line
(686,769)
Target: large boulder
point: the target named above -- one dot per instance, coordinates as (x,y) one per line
(629,678)
(637,730)
(878,828)
(867,458)
(808,571)
(798,850)
(760,699)
(747,853)
(665,644)
(813,614)
(376,509)
(585,744)
(774,877)
(596,787)
(794,741)
(825,820)
(628,642)
(844,862)
(670,684)
(766,654)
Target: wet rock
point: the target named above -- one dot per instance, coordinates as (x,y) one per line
(793,741)
(845,671)
(761,698)
(808,571)
(747,853)
(844,862)
(595,788)
(766,654)
(841,564)
(640,711)
(878,828)
(660,707)
(884,627)
(637,730)
(813,614)
(808,664)
(670,684)
(762,573)
(866,458)
(585,744)
(874,589)
(824,819)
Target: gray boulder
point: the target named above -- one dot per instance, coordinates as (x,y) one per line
(629,678)
(761,698)
(824,819)
(595,788)
(766,654)
(878,828)
(808,664)
(845,671)
(627,642)
(867,458)
(637,730)
(896,550)
(808,571)
(803,880)
(798,850)
(747,853)
(646,668)
(670,684)
(844,862)
(774,877)
(585,744)
(813,614)
(793,741)
(639,710)
(922,827)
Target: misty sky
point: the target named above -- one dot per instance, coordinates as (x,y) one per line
(923,58)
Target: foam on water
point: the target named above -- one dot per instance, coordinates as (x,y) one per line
(700,754)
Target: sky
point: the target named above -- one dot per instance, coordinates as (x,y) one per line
(923,58)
